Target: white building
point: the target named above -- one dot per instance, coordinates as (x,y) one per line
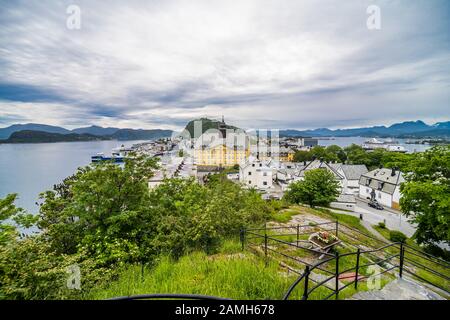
(346,174)
(257,174)
(352,173)
(172,166)
(382,185)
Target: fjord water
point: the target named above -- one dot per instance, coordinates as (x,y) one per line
(29,169)
(347,141)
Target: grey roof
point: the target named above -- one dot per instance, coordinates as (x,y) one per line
(333,167)
(382,179)
(354,171)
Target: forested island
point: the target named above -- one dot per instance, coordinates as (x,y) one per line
(35,136)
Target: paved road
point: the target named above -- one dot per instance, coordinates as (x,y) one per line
(394,221)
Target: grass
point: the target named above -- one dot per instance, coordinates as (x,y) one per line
(284,216)
(235,274)
(230,273)
(385,232)
(235,277)
(242,276)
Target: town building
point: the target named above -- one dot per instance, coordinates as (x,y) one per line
(257,174)
(382,185)
(172,166)
(348,175)
(352,173)
(215,148)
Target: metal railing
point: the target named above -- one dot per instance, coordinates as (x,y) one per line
(391,256)
(168,296)
(401,256)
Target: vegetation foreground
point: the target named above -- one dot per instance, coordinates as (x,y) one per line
(104,226)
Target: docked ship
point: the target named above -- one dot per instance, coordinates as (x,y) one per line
(388,145)
(118,155)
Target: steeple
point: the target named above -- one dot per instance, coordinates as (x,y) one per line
(223,128)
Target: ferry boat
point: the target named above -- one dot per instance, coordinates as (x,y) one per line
(118,155)
(388,145)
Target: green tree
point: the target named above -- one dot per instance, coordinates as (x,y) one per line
(103,209)
(319,152)
(425,194)
(337,152)
(356,155)
(302,155)
(397,160)
(12,217)
(319,187)
(193,216)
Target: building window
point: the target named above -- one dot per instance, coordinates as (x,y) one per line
(265,183)
(265,174)
(249,173)
(249,182)
(253,164)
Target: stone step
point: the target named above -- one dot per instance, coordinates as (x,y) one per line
(399,289)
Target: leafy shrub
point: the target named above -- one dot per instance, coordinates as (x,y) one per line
(104,218)
(397,236)
(382,225)
(437,252)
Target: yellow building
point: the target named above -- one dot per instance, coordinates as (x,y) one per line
(213,149)
(284,155)
(220,155)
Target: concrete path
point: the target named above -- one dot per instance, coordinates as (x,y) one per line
(399,289)
(373,231)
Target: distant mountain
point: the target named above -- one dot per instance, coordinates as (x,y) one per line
(31,136)
(108,133)
(96,130)
(6,132)
(441,125)
(140,134)
(408,129)
(206,125)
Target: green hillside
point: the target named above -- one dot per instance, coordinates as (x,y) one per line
(31,136)
(206,125)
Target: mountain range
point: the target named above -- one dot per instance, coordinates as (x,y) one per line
(34,132)
(407,129)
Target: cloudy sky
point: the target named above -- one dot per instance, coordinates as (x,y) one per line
(261,64)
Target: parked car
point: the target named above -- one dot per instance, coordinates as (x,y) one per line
(376,205)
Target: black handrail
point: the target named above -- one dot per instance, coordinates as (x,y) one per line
(292,226)
(169,296)
(419,265)
(441,261)
(310,268)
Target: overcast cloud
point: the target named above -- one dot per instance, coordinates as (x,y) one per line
(265,64)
